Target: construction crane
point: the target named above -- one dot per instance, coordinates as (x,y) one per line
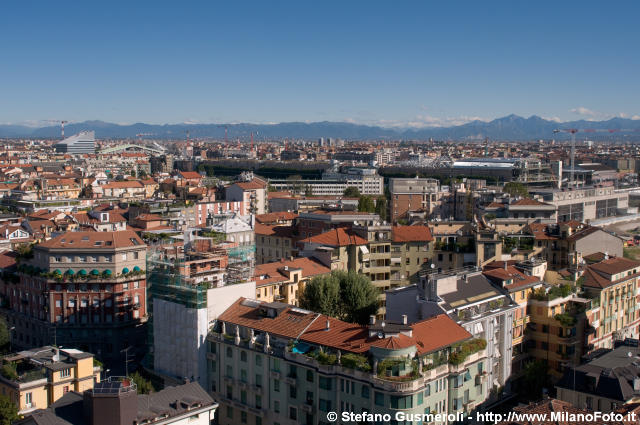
(573,132)
(62,123)
(225,131)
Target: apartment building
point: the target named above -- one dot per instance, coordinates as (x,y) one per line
(612,284)
(251,191)
(469,299)
(284,280)
(81,289)
(563,245)
(520,286)
(271,363)
(414,194)
(585,204)
(319,221)
(411,252)
(274,242)
(36,378)
(606,382)
(560,329)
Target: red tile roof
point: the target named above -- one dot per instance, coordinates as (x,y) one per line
(529,202)
(336,237)
(275,272)
(275,217)
(411,234)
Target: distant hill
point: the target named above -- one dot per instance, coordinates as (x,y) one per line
(511,127)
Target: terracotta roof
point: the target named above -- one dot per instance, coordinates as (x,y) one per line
(615,265)
(411,234)
(190,175)
(275,195)
(336,237)
(253,184)
(275,272)
(7,259)
(273,230)
(518,279)
(88,240)
(275,217)
(428,335)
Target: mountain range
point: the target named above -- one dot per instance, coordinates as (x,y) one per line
(507,128)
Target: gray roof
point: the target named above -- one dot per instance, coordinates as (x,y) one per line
(173,401)
(610,375)
(475,289)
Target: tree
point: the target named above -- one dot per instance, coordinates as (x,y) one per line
(381,207)
(144,386)
(322,295)
(366,204)
(351,192)
(358,296)
(347,296)
(536,378)
(516,189)
(8,411)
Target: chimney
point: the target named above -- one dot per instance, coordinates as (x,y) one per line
(327,325)
(404,319)
(372,319)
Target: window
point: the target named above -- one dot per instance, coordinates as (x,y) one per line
(293,413)
(276,386)
(309,375)
(258,382)
(243,397)
(229,371)
(293,391)
(94,258)
(229,412)
(258,361)
(243,356)
(276,406)
(324,383)
(365,392)
(107,258)
(401,402)
(379,399)
(229,352)
(243,375)
(427,390)
(28,399)
(124,256)
(65,389)
(258,401)
(325,405)
(420,398)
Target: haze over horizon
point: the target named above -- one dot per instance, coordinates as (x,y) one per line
(412,65)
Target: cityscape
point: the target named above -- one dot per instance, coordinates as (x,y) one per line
(281,248)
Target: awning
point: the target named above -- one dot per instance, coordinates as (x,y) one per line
(70,272)
(95,272)
(107,272)
(364,249)
(125,270)
(57,271)
(136,269)
(82,272)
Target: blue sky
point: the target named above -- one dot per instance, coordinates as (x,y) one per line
(388,63)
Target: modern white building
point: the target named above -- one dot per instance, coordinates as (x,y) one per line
(83,142)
